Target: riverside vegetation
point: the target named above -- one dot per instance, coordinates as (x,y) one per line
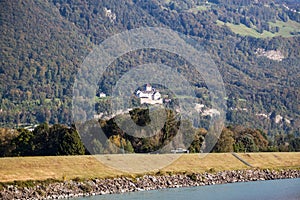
(47,140)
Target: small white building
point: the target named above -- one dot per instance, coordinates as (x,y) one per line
(102,95)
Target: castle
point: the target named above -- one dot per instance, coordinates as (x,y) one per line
(149,95)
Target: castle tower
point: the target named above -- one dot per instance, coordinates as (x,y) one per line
(148,88)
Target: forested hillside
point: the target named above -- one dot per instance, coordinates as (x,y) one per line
(255,45)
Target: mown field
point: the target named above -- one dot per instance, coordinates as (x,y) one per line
(70,167)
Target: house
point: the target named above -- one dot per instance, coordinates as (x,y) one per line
(102,95)
(149,95)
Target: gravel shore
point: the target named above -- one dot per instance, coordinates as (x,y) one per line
(73,188)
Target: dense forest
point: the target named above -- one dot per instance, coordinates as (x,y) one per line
(43,44)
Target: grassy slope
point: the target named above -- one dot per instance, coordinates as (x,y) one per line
(69,167)
(285,29)
(272,160)
(199,8)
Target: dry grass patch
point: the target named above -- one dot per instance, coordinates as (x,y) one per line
(58,167)
(211,162)
(272,160)
(85,167)
(138,163)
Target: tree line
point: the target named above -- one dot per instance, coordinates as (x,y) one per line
(52,140)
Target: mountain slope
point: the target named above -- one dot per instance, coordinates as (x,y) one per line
(44,42)
(42,48)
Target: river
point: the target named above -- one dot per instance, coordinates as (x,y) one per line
(286,189)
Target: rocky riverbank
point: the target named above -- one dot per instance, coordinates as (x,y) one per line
(77,188)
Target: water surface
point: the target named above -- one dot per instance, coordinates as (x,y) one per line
(286,189)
